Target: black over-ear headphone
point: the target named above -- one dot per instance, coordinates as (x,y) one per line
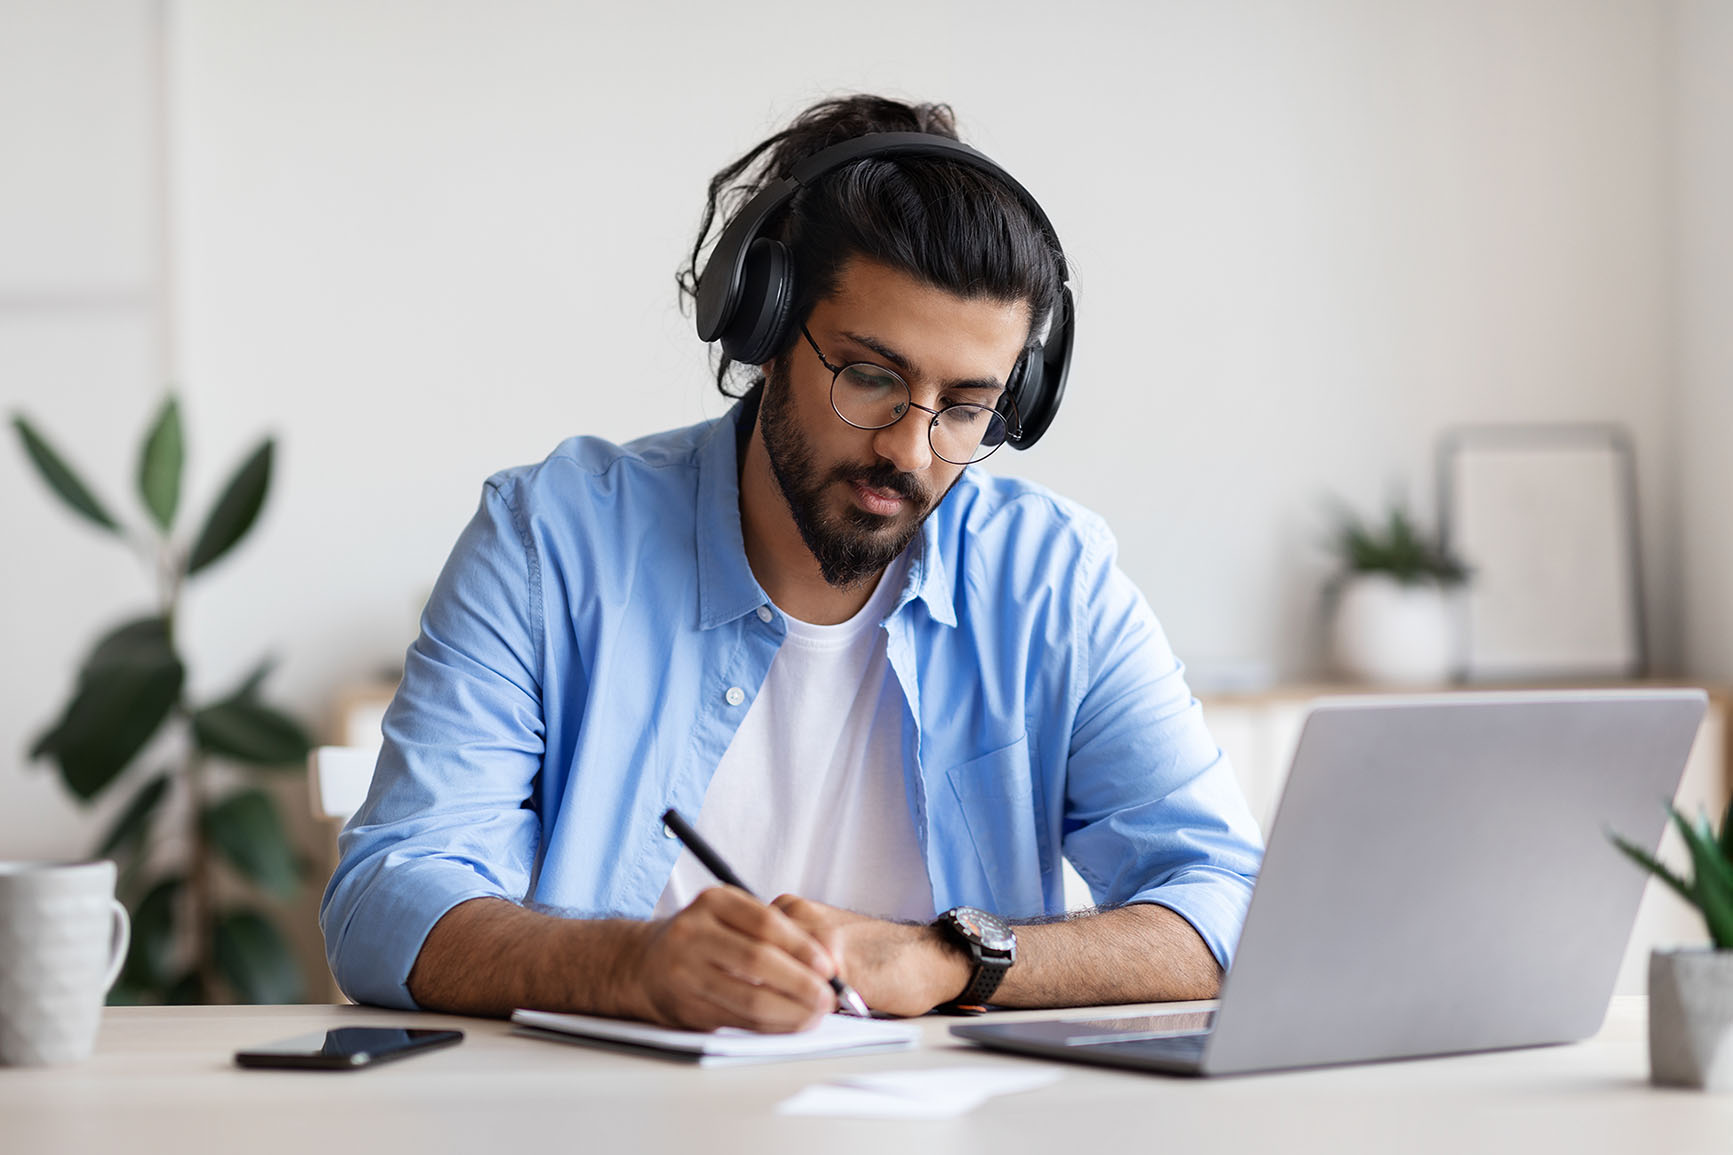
(746,291)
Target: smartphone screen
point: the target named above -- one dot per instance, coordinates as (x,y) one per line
(346,1048)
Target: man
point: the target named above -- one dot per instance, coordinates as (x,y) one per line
(890,688)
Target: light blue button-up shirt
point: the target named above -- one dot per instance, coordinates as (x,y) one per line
(597,636)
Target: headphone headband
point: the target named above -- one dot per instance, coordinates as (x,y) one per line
(746,308)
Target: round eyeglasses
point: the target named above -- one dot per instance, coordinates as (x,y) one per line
(869,396)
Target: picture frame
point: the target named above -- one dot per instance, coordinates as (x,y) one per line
(1545,517)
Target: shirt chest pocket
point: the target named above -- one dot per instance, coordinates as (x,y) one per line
(1006,820)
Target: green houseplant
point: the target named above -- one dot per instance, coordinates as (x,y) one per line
(1691,991)
(198,830)
(1710,889)
(1394,617)
(1398,548)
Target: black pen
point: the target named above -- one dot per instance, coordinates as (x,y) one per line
(846,996)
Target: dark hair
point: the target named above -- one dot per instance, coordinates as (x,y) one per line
(950,225)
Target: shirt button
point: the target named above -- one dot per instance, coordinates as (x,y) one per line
(667,831)
(734,696)
(764,614)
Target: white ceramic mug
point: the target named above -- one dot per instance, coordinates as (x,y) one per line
(63,938)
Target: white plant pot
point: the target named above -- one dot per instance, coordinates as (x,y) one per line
(1388,632)
(1691,1018)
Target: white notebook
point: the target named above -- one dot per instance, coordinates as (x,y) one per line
(836,1035)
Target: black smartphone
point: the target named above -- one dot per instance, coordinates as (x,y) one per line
(346,1048)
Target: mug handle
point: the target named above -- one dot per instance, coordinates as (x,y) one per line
(119,940)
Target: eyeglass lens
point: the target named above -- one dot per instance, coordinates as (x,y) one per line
(872,397)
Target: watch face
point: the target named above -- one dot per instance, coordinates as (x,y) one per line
(989,930)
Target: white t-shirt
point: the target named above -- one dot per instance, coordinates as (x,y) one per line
(809,798)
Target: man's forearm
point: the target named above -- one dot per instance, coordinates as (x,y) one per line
(488,956)
(1133,954)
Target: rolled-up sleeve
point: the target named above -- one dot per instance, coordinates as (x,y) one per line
(448,817)
(1153,810)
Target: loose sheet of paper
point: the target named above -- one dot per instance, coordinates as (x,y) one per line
(934,1093)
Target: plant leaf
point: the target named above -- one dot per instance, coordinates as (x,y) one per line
(140,640)
(245,826)
(186,991)
(149,959)
(1714,863)
(60,477)
(236,509)
(248,690)
(256,960)
(127,834)
(1712,888)
(124,993)
(126,689)
(252,732)
(159,466)
(1656,867)
(1727,833)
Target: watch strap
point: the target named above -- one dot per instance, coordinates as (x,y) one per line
(989,973)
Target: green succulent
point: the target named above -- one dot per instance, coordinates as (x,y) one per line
(1710,889)
(1397,548)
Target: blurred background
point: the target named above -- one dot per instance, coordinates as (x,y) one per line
(420,241)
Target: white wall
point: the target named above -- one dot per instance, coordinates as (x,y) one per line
(1703,241)
(81,351)
(427,240)
(424,240)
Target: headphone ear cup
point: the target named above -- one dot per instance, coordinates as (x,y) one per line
(1037,399)
(759,327)
(1014,402)
(1041,380)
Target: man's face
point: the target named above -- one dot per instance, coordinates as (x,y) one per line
(859,496)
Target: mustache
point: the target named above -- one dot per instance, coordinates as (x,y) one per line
(886,476)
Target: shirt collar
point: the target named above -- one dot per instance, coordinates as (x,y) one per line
(929,579)
(726,588)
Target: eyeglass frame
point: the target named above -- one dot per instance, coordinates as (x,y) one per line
(1011,422)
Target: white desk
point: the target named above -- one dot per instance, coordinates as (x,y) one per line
(162,1081)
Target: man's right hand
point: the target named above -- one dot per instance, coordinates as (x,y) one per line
(728,960)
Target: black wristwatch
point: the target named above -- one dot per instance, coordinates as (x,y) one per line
(991,945)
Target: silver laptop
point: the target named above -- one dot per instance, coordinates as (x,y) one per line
(1438,880)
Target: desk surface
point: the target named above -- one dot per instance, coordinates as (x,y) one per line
(162,1080)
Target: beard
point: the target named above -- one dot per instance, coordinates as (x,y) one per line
(857,545)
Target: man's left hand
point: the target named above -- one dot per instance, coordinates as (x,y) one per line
(897,968)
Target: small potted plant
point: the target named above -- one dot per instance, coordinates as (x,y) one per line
(1691,989)
(1397,618)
